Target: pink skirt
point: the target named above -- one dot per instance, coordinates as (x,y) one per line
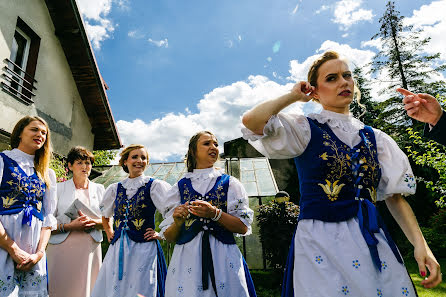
(73,265)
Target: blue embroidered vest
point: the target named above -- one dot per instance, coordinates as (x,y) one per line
(134,215)
(18,192)
(338,183)
(333,176)
(217,196)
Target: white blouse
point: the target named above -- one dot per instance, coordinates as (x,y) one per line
(158,192)
(26,162)
(287,136)
(203,180)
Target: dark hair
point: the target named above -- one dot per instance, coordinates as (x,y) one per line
(79,153)
(191,160)
(126,152)
(42,156)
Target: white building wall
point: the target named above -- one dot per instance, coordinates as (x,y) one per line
(57,99)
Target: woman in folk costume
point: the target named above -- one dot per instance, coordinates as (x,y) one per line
(80,238)
(28,200)
(206,262)
(134,263)
(341,246)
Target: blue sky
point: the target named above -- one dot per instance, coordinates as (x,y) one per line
(177,67)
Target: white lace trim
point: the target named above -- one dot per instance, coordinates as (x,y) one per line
(23,159)
(135,183)
(344,122)
(204,174)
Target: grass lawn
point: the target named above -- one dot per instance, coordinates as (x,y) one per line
(439,291)
(267,284)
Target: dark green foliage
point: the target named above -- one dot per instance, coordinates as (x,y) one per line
(58,164)
(277,222)
(431,155)
(267,283)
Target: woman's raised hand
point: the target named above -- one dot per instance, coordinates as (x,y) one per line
(202,209)
(81,223)
(303,91)
(180,214)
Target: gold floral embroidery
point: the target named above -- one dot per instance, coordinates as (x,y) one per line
(372,192)
(39,206)
(138,223)
(332,189)
(8,201)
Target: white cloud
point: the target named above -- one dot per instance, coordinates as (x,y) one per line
(218,111)
(269,59)
(97,24)
(356,57)
(348,12)
(374,43)
(159,43)
(135,34)
(323,8)
(431,19)
(295,9)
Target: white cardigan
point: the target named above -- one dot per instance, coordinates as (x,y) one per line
(65,196)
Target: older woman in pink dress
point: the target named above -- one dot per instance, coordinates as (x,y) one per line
(74,252)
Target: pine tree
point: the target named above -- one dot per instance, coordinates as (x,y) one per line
(403,61)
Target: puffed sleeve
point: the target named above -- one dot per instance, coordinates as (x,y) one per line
(285,136)
(108,201)
(158,193)
(396,173)
(172,200)
(238,203)
(50,202)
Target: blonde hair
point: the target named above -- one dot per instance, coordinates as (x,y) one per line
(126,152)
(191,158)
(42,156)
(313,73)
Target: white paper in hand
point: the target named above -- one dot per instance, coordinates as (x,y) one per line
(72,211)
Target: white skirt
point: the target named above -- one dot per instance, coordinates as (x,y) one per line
(14,282)
(184,272)
(333,259)
(139,271)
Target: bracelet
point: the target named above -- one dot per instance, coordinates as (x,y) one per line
(217,216)
(216,213)
(41,251)
(62,228)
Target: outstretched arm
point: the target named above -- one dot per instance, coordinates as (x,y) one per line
(403,214)
(256,119)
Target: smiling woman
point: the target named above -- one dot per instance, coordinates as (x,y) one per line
(134,263)
(28,200)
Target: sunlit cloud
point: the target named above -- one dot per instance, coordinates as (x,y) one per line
(96,17)
(295,9)
(349,12)
(323,8)
(159,43)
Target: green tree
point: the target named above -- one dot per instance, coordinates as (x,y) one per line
(404,62)
(104,157)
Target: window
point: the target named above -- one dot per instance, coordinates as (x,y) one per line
(18,74)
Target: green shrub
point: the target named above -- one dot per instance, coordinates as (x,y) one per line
(277,222)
